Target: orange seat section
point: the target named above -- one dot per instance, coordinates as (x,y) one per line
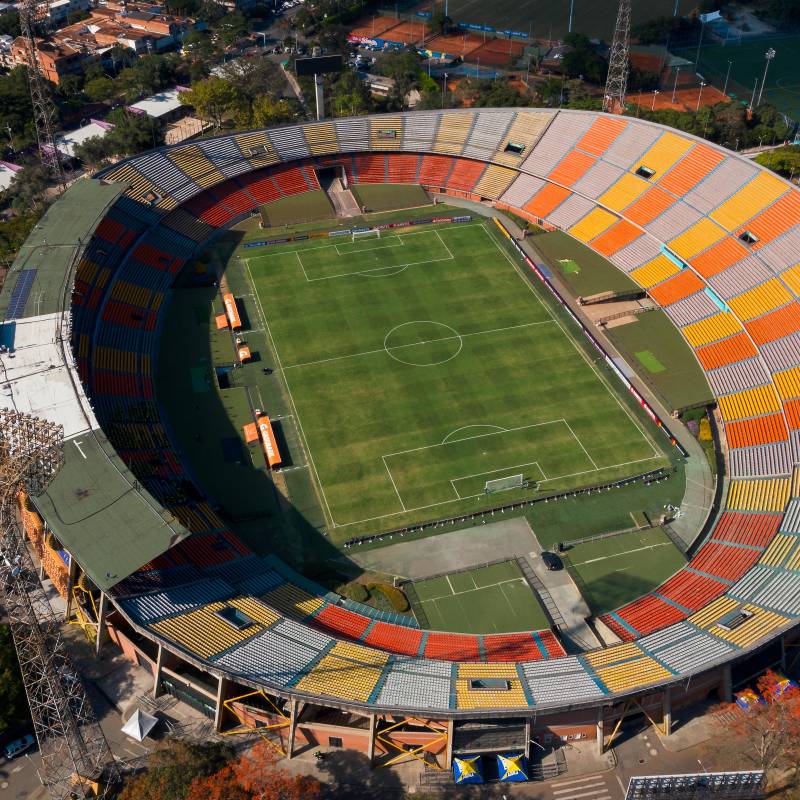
(755,431)
(776,324)
(681,285)
(792,410)
(652,203)
(547,199)
(601,134)
(691,169)
(616,237)
(728,351)
(571,168)
(775,220)
(725,252)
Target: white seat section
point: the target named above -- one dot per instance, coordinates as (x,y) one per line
(149,607)
(726,179)
(557,141)
(598,179)
(765,459)
(631,144)
(488,132)
(165,174)
(637,253)
(570,211)
(521,190)
(781,253)
(691,309)
(739,277)
(419,133)
(410,690)
(737,377)
(289,143)
(674,221)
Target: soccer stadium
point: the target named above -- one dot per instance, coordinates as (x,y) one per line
(263,397)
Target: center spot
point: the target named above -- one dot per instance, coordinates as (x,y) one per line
(423,343)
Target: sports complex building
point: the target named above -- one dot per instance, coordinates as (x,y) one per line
(146,556)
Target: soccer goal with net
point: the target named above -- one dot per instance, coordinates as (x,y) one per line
(502,484)
(371,233)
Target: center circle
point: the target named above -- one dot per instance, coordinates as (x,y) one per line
(423,343)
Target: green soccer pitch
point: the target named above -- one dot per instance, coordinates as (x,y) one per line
(422,364)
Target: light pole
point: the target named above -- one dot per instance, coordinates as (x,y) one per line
(699,42)
(478,74)
(444,88)
(699,95)
(769,55)
(571,8)
(655,94)
(675,85)
(727,76)
(753,96)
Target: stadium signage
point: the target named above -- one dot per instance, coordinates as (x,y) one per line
(698,786)
(340,233)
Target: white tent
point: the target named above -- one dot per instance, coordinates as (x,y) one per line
(139,725)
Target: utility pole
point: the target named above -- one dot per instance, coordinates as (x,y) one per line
(31,12)
(617,81)
(74,751)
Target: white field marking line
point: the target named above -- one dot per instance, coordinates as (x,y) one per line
(303,439)
(397,243)
(645,435)
(617,555)
(300,262)
(491,471)
(600,469)
(401,267)
(330,246)
(397,491)
(468,591)
(580,444)
(467,427)
(476,436)
(416,344)
(438,236)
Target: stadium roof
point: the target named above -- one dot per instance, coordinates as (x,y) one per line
(51,249)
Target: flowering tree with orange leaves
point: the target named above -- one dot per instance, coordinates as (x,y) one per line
(256,775)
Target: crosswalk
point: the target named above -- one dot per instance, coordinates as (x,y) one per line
(590,787)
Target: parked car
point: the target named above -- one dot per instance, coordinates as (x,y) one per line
(552,561)
(19,746)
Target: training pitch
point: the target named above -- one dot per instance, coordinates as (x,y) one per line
(492,599)
(423,364)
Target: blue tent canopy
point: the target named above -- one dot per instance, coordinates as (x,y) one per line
(512,768)
(467,770)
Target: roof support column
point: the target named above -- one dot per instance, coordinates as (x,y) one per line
(373,726)
(72,576)
(600,734)
(449,751)
(157,676)
(528,732)
(101,623)
(666,711)
(294,712)
(219,707)
(726,685)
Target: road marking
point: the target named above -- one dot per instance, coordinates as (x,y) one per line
(577,780)
(78,445)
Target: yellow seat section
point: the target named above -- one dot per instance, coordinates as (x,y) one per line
(613,655)
(113,358)
(753,495)
(452,133)
(658,269)
(202,632)
(357,652)
(386,133)
(757,301)
(468,697)
(255,610)
(791,277)
(778,549)
(194,162)
(292,601)
(321,138)
(709,615)
(139,185)
(749,201)
(339,677)
(712,329)
(668,149)
(131,293)
(623,192)
(525,131)
(749,403)
(593,224)
(794,561)
(696,238)
(639,672)
(494,181)
(788,383)
(751,630)
(256,148)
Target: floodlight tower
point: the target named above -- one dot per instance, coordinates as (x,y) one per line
(31,13)
(76,758)
(617,81)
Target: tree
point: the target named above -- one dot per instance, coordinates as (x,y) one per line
(403,67)
(27,191)
(256,775)
(172,770)
(13,703)
(582,60)
(14,230)
(441,23)
(100,89)
(214,99)
(149,74)
(253,78)
(785,160)
(349,96)
(15,100)
(232,27)
(9,23)
(267,112)
(131,134)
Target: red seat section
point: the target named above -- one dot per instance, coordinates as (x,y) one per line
(395,638)
(743,528)
(452,646)
(290,180)
(511,647)
(260,186)
(367,169)
(551,644)
(403,168)
(434,170)
(465,175)
(728,561)
(645,614)
(340,622)
(691,590)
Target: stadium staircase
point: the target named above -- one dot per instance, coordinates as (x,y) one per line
(342,199)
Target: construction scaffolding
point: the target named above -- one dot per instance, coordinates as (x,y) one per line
(76,757)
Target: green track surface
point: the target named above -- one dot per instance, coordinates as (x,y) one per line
(389,196)
(681,383)
(493,599)
(306,207)
(582,270)
(612,571)
(423,364)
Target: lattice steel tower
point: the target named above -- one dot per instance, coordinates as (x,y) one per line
(31,14)
(617,80)
(74,750)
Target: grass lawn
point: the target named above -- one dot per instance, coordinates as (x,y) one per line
(306,207)
(613,571)
(655,349)
(388,196)
(422,364)
(493,599)
(582,270)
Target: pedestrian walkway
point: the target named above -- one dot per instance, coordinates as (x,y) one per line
(602,786)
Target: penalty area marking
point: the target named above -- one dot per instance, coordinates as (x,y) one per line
(497,429)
